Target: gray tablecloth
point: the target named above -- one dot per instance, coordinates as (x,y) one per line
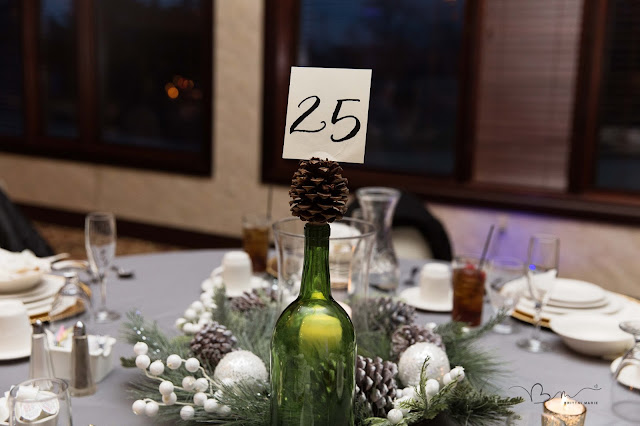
(165,284)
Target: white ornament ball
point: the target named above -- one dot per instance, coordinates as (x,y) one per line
(396,404)
(170,399)
(190,314)
(142,362)
(225,410)
(432,387)
(151,409)
(211,405)
(156,368)
(411,361)
(192,365)
(140,348)
(446,379)
(165,388)
(174,361)
(241,366)
(180,322)
(457,373)
(395,416)
(138,407)
(189,383)
(199,399)
(201,384)
(187,412)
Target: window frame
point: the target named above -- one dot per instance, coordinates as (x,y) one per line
(580,200)
(88,147)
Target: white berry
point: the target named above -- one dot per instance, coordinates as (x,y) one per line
(174,361)
(170,399)
(166,388)
(394,416)
(211,405)
(199,398)
(138,407)
(396,404)
(398,393)
(151,409)
(202,384)
(457,373)
(140,348)
(189,383)
(206,315)
(190,314)
(446,379)
(192,365)
(197,306)
(187,412)
(180,322)
(156,368)
(224,410)
(432,387)
(142,362)
(409,392)
(190,328)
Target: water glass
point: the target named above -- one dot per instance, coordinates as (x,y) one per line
(542,269)
(505,288)
(625,389)
(100,243)
(42,402)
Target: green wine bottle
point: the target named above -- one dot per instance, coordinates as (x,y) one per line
(313,348)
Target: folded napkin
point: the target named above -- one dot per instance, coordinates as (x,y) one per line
(13,264)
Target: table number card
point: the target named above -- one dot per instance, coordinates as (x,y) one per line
(327,114)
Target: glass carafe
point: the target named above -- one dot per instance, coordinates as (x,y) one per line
(378,205)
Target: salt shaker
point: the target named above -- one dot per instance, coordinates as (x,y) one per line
(40,361)
(81,383)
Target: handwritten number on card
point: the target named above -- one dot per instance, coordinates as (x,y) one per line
(305,115)
(334,118)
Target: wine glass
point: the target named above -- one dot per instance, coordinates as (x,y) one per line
(542,269)
(504,288)
(100,243)
(625,388)
(40,401)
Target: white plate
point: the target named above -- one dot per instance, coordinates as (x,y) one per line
(9,354)
(48,287)
(568,293)
(208,285)
(594,335)
(411,297)
(19,282)
(630,376)
(615,305)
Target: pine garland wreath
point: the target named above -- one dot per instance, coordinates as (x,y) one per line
(318,191)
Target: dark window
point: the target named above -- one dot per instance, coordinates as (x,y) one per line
(11,113)
(618,135)
(124,82)
(414,48)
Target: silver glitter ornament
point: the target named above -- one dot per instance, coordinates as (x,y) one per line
(411,360)
(240,366)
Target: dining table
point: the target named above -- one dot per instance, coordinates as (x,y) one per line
(165,284)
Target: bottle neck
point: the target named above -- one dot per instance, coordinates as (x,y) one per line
(316,283)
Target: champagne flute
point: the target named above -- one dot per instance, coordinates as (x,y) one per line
(100,243)
(542,268)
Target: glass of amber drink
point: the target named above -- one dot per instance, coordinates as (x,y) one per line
(468,290)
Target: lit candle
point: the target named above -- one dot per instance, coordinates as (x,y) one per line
(566,409)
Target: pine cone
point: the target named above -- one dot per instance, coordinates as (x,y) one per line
(407,335)
(256,298)
(387,314)
(212,343)
(318,191)
(376,384)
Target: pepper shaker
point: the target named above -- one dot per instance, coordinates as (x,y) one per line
(81,383)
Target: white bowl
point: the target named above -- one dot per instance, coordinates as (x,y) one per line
(17,282)
(594,335)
